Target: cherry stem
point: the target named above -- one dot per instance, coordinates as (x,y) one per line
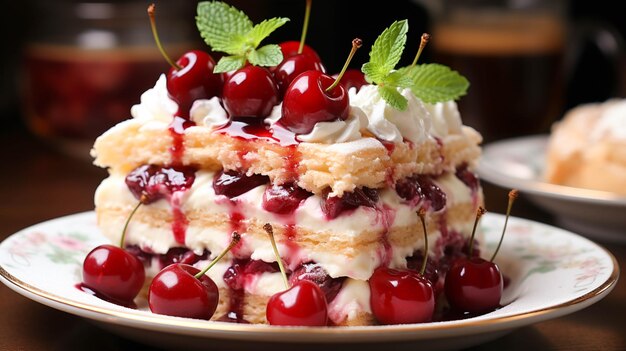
(479,213)
(305,25)
(151,9)
(356,44)
(132,213)
(235,237)
(512,196)
(422,214)
(423,42)
(270,232)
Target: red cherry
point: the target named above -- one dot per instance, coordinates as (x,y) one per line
(401,296)
(353,78)
(250,92)
(233,183)
(307,102)
(113,273)
(152,183)
(290,48)
(283,199)
(194,80)
(473,285)
(175,291)
(304,304)
(334,206)
(292,66)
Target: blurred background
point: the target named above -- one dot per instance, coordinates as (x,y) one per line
(74,68)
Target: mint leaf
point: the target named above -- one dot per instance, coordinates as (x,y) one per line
(434,83)
(403,77)
(386,52)
(268,55)
(264,29)
(222,26)
(226,29)
(393,97)
(229,63)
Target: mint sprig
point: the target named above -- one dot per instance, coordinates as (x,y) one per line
(434,83)
(386,52)
(431,83)
(227,29)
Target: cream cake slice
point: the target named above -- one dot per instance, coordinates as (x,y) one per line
(339,209)
(348,181)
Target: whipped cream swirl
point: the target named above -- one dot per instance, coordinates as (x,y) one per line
(390,124)
(155,104)
(445,117)
(209,113)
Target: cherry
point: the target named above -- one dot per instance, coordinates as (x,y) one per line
(153,183)
(315,97)
(293,66)
(191,76)
(284,198)
(250,92)
(334,206)
(191,79)
(402,296)
(114,273)
(353,78)
(175,291)
(291,48)
(473,284)
(233,183)
(307,102)
(302,304)
(422,188)
(182,290)
(295,60)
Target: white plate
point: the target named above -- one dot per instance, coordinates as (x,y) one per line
(553,273)
(519,163)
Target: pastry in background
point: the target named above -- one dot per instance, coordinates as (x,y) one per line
(587,149)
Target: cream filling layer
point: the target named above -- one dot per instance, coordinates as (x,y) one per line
(113,193)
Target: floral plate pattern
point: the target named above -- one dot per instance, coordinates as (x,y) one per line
(552,273)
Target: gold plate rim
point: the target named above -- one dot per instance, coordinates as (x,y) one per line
(196,326)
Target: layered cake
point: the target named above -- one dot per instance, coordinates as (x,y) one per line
(341,194)
(587,149)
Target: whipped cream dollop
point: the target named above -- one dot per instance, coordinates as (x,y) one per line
(155,103)
(390,124)
(445,117)
(209,113)
(612,122)
(338,131)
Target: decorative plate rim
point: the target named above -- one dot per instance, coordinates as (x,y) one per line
(197,327)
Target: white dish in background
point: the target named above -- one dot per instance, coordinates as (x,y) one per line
(519,163)
(552,273)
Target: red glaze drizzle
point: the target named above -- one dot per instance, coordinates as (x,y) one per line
(177,132)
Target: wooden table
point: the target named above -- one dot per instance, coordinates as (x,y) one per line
(37,184)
